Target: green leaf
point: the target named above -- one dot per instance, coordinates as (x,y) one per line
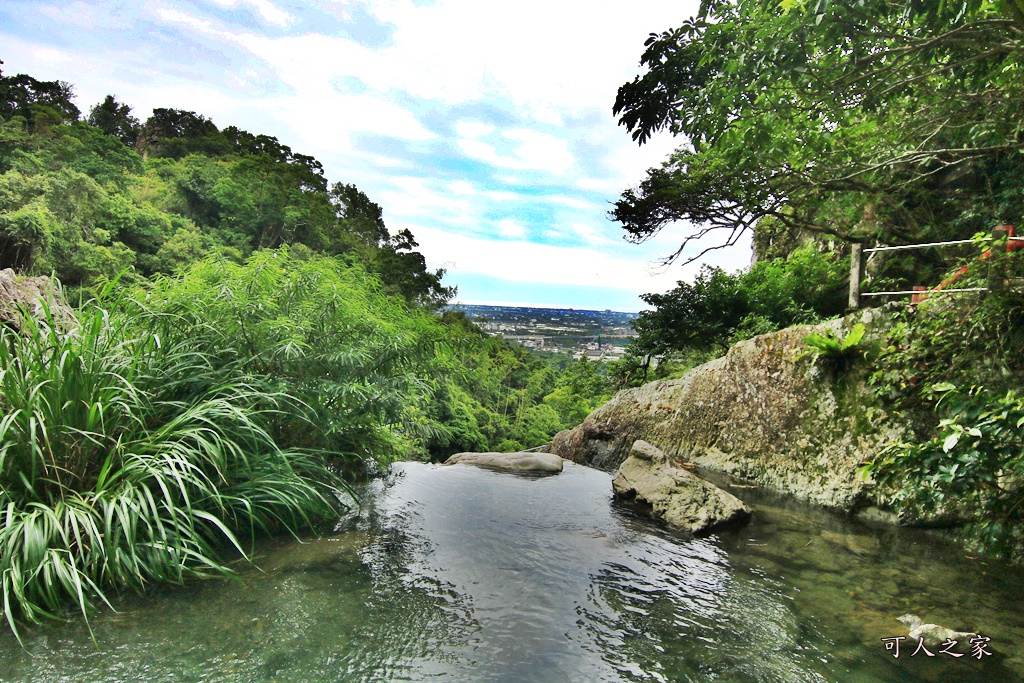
(950,442)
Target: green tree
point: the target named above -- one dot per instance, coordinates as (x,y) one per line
(701,319)
(175,133)
(894,120)
(579,389)
(322,330)
(24,96)
(115,118)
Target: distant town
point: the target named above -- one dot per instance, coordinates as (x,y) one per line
(598,335)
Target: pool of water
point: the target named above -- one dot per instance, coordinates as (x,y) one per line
(462,574)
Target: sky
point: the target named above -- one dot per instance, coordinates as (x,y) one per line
(484,127)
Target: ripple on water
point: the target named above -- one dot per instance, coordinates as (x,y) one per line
(459,574)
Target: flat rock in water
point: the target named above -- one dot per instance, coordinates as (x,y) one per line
(857,544)
(518,462)
(682,499)
(935,635)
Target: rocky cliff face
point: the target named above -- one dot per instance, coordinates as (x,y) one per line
(22,296)
(766,412)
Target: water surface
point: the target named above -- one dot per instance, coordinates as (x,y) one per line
(462,574)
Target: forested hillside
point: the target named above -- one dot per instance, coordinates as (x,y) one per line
(105,196)
(248,336)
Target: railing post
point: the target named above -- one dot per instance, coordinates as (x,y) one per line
(997,264)
(856,271)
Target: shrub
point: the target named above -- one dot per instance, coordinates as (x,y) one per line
(969,464)
(320,329)
(835,351)
(974,463)
(125,460)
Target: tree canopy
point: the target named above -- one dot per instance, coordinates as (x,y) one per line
(887,120)
(88,199)
(38,102)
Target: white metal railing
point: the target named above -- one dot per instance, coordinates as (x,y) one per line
(904,292)
(856,267)
(933,244)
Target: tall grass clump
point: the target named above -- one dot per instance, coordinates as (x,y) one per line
(323,330)
(126,460)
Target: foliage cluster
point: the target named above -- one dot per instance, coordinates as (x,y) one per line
(959,357)
(700,320)
(259,335)
(838,352)
(127,458)
(317,328)
(194,410)
(973,468)
(499,396)
(85,200)
(879,120)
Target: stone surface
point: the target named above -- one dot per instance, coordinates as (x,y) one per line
(858,544)
(935,635)
(519,462)
(680,498)
(21,296)
(765,412)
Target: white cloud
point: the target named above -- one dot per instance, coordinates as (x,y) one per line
(270,12)
(543,114)
(39,61)
(591,235)
(83,14)
(205,26)
(541,150)
(509,228)
(465,188)
(561,73)
(473,129)
(462,187)
(555,154)
(574,203)
(453,50)
(410,196)
(535,151)
(599,185)
(522,261)
(387,162)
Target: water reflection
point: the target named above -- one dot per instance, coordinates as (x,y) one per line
(460,574)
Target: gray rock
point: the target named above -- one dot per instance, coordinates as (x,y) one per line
(935,635)
(765,412)
(680,498)
(22,296)
(518,462)
(858,544)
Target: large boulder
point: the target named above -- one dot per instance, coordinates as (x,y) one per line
(680,498)
(22,296)
(519,462)
(766,412)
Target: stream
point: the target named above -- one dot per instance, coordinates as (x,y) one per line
(463,574)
